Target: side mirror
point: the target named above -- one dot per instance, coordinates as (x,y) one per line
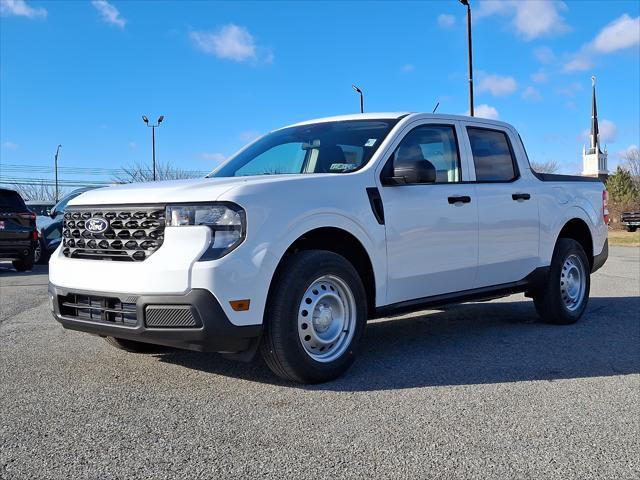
(412,172)
(53,213)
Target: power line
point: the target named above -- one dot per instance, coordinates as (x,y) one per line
(90,171)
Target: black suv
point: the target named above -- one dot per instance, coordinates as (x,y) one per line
(18,233)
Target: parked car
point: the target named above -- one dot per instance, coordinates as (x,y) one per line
(50,228)
(42,209)
(631,220)
(291,245)
(18,234)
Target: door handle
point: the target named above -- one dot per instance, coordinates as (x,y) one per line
(459,199)
(521,196)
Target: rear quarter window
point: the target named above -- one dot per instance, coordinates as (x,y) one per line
(11,201)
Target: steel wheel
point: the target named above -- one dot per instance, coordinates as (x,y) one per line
(572,282)
(326,318)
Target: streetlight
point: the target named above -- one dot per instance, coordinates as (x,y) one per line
(361,97)
(153,139)
(56,169)
(466,3)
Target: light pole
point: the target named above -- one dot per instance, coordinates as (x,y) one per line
(153,139)
(56,169)
(361,97)
(466,3)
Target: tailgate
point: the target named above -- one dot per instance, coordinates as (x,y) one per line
(16,226)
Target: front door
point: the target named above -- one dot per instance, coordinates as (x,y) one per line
(431,229)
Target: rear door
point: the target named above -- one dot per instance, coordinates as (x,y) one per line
(431,229)
(507,207)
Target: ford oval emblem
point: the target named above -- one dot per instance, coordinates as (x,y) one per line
(96,225)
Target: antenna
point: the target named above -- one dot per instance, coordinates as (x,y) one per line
(436,107)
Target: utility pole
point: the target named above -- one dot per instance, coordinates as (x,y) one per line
(466,3)
(56,170)
(153,139)
(361,97)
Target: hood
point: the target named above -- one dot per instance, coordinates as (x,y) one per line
(175,191)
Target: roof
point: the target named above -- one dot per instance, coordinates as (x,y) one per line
(396,115)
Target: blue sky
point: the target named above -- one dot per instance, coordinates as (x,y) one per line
(82,73)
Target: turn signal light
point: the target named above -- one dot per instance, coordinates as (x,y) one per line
(240,305)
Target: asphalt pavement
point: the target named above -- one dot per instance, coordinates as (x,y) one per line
(480,390)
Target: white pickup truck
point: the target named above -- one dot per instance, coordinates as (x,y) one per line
(291,245)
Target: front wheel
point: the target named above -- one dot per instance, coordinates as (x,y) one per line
(631,228)
(315,318)
(563,298)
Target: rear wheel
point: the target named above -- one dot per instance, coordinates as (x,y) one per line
(563,298)
(315,318)
(24,263)
(134,347)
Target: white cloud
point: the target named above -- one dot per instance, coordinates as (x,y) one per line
(622,33)
(408,68)
(214,157)
(497,85)
(531,18)
(540,76)
(109,13)
(446,21)
(231,42)
(19,8)
(10,145)
(578,63)
(627,151)
(249,135)
(530,93)
(570,91)
(607,129)
(544,55)
(485,111)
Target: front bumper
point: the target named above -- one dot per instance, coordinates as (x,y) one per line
(211,330)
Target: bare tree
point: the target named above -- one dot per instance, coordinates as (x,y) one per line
(631,164)
(142,173)
(39,191)
(550,166)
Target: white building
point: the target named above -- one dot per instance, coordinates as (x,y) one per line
(594,160)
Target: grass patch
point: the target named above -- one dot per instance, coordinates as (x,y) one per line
(624,238)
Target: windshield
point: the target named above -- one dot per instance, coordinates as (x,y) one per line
(329,147)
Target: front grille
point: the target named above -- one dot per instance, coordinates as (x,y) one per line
(93,308)
(132,233)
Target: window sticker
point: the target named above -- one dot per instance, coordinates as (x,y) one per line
(342,166)
(371,142)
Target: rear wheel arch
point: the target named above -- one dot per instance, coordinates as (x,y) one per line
(578,230)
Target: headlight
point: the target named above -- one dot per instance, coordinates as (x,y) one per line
(226,221)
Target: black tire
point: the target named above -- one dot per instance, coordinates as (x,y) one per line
(281,345)
(24,264)
(549,300)
(135,347)
(43,258)
(631,229)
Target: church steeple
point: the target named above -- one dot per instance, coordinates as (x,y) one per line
(594,159)
(595,134)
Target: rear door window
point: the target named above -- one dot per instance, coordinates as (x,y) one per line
(492,155)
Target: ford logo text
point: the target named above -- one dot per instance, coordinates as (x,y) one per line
(96,225)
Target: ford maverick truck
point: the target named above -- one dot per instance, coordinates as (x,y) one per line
(291,245)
